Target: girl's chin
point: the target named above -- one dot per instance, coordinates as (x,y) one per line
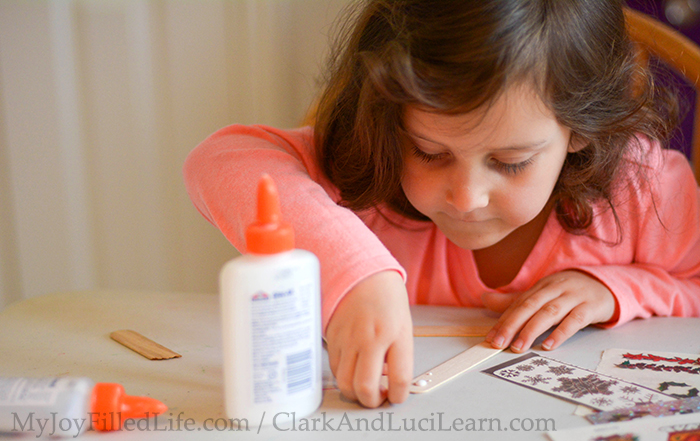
(475,242)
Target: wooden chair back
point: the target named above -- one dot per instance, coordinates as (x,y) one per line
(678,52)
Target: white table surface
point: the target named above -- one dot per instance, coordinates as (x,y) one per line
(67,334)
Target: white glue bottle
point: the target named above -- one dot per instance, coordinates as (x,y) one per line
(270,304)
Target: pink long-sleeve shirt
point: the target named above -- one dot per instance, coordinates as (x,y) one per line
(653,270)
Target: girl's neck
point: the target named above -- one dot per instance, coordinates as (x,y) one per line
(500,263)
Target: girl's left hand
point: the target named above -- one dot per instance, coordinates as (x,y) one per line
(570,298)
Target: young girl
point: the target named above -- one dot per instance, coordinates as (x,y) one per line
(497,153)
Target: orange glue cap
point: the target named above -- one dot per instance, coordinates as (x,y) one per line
(268,234)
(111,406)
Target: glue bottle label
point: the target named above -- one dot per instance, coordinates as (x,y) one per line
(283,342)
(31,391)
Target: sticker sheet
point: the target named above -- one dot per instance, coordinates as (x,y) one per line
(674,374)
(672,428)
(576,384)
(667,408)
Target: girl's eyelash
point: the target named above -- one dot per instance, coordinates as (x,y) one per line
(512,169)
(505,167)
(425,157)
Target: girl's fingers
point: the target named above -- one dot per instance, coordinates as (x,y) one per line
(368,371)
(513,319)
(345,374)
(400,369)
(570,298)
(512,303)
(576,320)
(547,316)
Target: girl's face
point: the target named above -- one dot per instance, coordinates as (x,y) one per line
(482,175)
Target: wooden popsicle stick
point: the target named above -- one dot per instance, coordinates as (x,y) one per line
(451,331)
(453,367)
(144,346)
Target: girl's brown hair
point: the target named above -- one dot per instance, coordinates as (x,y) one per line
(453,56)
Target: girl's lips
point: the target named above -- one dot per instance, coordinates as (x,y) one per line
(468,219)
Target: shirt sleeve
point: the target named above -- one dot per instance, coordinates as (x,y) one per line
(661,223)
(221,176)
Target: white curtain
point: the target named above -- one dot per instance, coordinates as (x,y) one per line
(101,101)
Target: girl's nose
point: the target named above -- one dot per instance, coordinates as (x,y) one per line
(467,194)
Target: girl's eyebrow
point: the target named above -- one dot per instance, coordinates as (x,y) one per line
(514,148)
(528,146)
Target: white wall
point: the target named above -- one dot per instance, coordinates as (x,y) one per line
(100,102)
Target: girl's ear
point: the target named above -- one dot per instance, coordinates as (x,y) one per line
(576,143)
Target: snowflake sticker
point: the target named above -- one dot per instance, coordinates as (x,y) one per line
(509,373)
(525,367)
(601,401)
(540,362)
(537,379)
(589,385)
(631,390)
(560,370)
(648,399)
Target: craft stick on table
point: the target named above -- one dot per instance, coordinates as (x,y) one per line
(453,367)
(142,345)
(451,331)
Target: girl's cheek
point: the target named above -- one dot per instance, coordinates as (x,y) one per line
(419,192)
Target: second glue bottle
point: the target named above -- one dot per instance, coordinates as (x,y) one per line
(270,303)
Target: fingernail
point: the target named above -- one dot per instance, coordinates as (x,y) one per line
(517,345)
(548,344)
(498,342)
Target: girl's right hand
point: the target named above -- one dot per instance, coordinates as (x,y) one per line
(370,327)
